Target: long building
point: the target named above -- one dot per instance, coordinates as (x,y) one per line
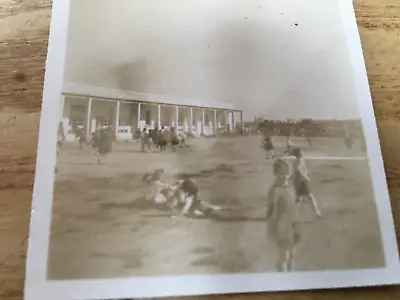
(125,112)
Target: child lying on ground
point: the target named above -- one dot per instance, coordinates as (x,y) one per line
(181,196)
(187,197)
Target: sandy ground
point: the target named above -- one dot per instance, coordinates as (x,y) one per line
(100,229)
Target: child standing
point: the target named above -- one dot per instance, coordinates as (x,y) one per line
(301,181)
(162,139)
(104,144)
(182,139)
(289,145)
(268,146)
(150,139)
(80,135)
(282,225)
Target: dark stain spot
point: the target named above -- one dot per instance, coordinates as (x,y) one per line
(19,76)
(296,24)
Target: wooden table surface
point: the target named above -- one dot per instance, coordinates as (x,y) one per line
(24,29)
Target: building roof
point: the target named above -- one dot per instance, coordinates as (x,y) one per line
(115,94)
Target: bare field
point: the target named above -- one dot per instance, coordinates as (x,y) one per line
(101,230)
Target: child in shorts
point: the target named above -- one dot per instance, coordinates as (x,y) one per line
(301,181)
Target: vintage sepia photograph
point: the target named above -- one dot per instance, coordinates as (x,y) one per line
(201,140)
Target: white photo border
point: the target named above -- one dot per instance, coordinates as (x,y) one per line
(38,287)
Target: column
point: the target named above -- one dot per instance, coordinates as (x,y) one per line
(202,121)
(216,129)
(241,121)
(159,116)
(176,119)
(88,118)
(191,121)
(226,120)
(139,112)
(62,107)
(233,122)
(117,119)
(64,124)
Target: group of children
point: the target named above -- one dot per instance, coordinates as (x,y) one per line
(101,141)
(160,138)
(288,191)
(269,147)
(181,196)
(284,198)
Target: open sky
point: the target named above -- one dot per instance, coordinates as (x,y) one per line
(275,59)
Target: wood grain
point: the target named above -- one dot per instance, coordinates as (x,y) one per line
(23,46)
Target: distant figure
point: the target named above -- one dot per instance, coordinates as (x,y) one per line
(268,146)
(95,141)
(104,144)
(182,139)
(307,137)
(150,139)
(60,137)
(301,181)
(153,134)
(60,142)
(80,136)
(282,226)
(174,139)
(143,140)
(162,139)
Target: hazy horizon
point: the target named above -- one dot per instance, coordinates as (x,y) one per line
(277,60)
